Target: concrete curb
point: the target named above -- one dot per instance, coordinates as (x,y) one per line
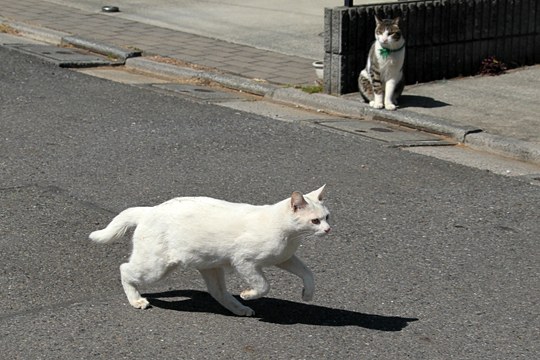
(297,97)
(61,39)
(100,48)
(469,135)
(40,34)
(505,146)
(231,81)
(354,108)
(472,136)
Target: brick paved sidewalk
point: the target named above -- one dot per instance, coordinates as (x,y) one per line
(232,58)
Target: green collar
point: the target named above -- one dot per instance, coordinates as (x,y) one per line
(384,52)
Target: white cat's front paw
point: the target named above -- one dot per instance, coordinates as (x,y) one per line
(376,105)
(142,303)
(307,294)
(245,311)
(390,106)
(249,295)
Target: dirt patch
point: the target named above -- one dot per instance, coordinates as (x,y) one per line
(6,29)
(177,62)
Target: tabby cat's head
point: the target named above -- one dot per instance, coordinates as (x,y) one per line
(387,31)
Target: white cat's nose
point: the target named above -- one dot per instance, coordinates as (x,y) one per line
(327,230)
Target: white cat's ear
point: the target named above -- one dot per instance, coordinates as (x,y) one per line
(297,201)
(319,194)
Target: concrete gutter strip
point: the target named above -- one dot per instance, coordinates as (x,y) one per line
(426,122)
(356,108)
(517,149)
(231,81)
(163,69)
(315,101)
(470,135)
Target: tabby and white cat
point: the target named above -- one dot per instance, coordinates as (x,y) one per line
(381,82)
(212,235)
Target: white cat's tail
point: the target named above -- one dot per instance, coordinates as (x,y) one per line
(119,225)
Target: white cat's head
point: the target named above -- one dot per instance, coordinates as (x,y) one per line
(309,213)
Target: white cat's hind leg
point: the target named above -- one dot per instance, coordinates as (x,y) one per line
(142,270)
(215,282)
(129,282)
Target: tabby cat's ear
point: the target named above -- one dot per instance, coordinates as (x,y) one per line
(297,201)
(396,20)
(378,20)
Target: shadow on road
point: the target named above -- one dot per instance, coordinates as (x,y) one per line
(281,312)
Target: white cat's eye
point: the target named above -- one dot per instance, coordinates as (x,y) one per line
(316,221)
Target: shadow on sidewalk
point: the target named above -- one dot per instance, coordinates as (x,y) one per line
(406,101)
(281,312)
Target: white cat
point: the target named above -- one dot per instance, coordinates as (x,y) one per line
(211,235)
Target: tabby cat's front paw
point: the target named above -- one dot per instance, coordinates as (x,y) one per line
(376,105)
(390,106)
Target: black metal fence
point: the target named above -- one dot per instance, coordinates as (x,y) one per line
(445,38)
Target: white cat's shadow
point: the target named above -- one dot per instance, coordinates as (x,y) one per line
(278,311)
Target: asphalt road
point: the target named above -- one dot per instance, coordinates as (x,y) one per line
(426,260)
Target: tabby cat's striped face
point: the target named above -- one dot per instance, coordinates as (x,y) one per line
(387,31)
